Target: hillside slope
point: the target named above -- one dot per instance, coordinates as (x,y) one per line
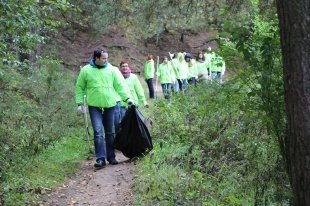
(76,47)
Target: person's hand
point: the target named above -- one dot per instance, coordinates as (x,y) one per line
(145,104)
(81,109)
(130,102)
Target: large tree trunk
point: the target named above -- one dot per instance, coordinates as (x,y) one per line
(294,17)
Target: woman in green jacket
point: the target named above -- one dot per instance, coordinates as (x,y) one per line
(218,68)
(165,74)
(149,71)
(183,72)
(135,87)
(102,84)
(203,67)
(192,69)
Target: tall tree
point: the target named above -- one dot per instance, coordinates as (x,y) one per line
(294,17)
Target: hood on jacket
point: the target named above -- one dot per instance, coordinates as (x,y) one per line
(92,63)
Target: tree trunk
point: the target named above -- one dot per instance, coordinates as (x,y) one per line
(294,18)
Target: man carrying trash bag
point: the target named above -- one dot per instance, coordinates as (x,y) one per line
(133,138)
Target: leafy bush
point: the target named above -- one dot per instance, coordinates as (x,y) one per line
(37,110)
(217,150)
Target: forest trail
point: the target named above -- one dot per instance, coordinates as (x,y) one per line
(109,186)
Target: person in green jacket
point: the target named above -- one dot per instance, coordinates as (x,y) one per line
(165,74)
(209,54)
(102,83)
(202,68)
(217,68)
(149,71)
(182,71)
(192,69)
(174,62)
(135,87)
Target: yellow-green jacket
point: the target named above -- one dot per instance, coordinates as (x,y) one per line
(217,64)
(165,73)
(102,87)
(149,69)
(192,68)
(174,64)
(136,90)
(182,67)
(208,59)
(202,67)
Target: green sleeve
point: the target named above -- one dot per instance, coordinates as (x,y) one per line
(139,90)
(80,87)
(120,85)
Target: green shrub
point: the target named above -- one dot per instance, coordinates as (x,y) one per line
(216,150)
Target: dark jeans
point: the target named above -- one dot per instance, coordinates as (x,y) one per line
(182,84)
(117,116)
(103,120)
(193,81)
(151,87)
(122,112)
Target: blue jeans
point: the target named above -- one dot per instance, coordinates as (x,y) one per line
(122,112)
(217,76)
(175,86)
(183,84)
(117,116)
(166,90)
(193,81)
(151,87)
(103,120)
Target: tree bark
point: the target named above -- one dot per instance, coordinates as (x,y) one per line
(294,19)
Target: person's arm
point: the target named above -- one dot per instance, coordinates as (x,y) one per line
(223,67)
(120,85)
(80,87)
(139,91)
(152,72)
(159,70)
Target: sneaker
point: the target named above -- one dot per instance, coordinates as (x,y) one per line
(113,161)
(100,163)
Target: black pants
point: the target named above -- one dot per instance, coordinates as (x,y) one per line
(151,87)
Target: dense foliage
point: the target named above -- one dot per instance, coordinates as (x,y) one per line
(217,149)
(36,93)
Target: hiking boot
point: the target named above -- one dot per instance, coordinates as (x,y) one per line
(100,163)
(113,161)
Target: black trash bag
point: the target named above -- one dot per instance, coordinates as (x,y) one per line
(133,138)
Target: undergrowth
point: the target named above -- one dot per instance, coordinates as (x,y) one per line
(38,129)
(217,148)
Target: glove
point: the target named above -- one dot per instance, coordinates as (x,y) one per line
(145,104)
(130,102)
(81,109)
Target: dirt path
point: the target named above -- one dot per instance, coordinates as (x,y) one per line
(108,186)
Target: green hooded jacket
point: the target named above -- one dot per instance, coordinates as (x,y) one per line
(208,59)
(217,64)
(174,64)
(136,90)
(202,67)
(165,73)
(182,67)
(192,68)
(149,69)
(102,87)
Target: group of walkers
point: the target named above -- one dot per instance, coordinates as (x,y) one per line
(183,69)
(108,91)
